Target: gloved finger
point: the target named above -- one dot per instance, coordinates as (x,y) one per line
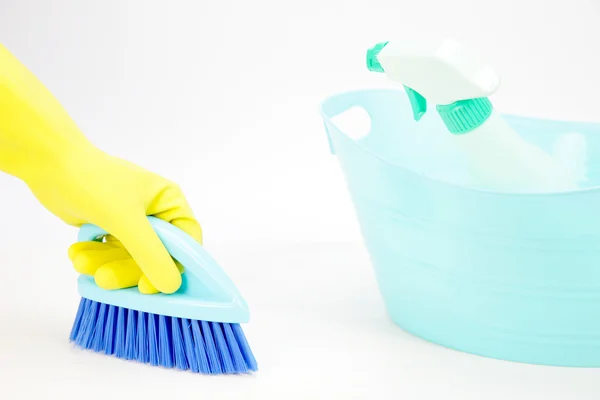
(113,241)
(88,261)
(189,226)
(179,266)
(118,274)
(145,287)
(140,240)
(172,206)
(78,247)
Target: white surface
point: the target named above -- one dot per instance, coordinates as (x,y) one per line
(318,330)
(441,70)
(235,86)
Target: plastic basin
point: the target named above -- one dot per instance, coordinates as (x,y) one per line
(509,276)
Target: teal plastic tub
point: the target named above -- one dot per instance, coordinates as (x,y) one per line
(509,276)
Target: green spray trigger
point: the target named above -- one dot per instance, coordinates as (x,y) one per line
(417,102)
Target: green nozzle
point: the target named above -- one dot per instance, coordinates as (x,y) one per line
(372,62)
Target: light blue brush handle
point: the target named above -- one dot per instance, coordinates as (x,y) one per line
(206,293)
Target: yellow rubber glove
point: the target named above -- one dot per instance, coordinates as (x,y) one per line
(41,145)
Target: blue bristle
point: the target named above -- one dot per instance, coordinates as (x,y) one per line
(142,339)
(84,315)
(152,339)
(88,323)
(234,349)
(165,353)
(211,350)
(188,344)
(80,335)
(222,348)
(130,336)
(244,347)
(78,318)
(200,349)
(120,333)
(98,340)
(178,346)
(199,346)
(109,328)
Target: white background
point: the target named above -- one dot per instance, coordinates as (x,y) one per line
(223,97)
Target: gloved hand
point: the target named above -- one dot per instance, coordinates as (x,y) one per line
(40,144)
(117,196)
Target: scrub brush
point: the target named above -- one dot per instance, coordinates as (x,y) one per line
(196,328)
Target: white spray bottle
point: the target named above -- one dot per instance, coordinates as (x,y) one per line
(459,83)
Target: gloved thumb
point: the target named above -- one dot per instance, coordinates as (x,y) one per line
(139,239)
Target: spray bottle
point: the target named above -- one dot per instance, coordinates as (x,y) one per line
(459,83)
